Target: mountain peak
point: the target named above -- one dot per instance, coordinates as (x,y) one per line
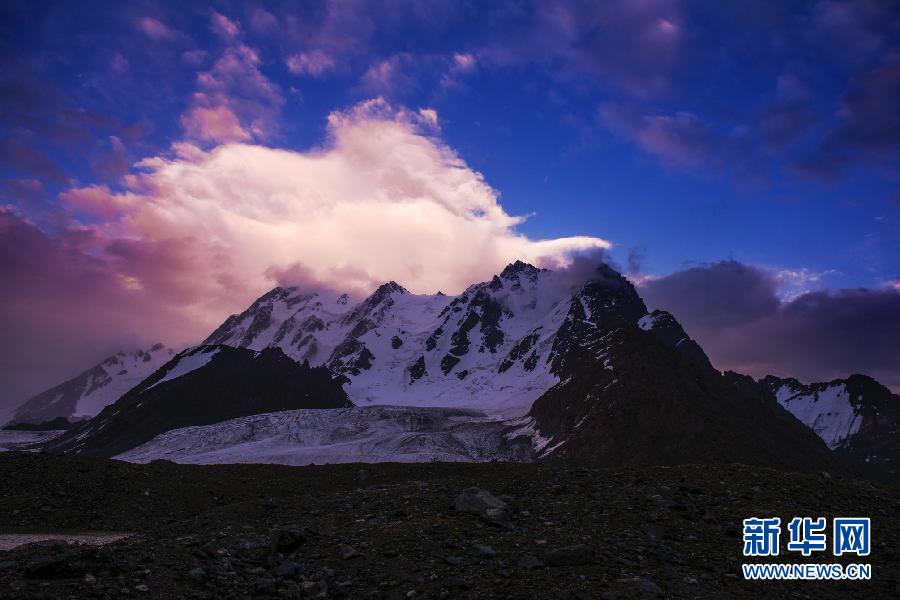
(518,267)
(390,287)
(89,392)
(276,292)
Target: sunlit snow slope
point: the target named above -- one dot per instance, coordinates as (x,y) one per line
(487,348)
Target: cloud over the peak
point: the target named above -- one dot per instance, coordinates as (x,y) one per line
(383,196)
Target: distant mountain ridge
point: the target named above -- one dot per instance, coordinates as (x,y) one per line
(203,385)
(86,394)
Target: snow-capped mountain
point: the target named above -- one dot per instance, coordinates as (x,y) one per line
(486,348)
(580,370)
(857,416)
(528,365)
(86,394)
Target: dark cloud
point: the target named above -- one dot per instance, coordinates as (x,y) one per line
(23,190)
(582,267)
(39,123)
(857,27)
(636,257)
(681,140)
(637,47)
(719,295)
(733,311)
(112,162)
(30,161)
(30,102)
(784,123)
(869,129)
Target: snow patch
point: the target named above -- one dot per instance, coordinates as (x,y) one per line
(828,412)
(646,322)
(193,360)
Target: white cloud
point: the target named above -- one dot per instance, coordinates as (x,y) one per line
(314,63)
(382,199)
(463,62)
(793,283)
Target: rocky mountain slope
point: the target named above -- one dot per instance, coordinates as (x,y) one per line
(635,389)
(86,394)
(203,385)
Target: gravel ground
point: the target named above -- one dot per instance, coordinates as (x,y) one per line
(418,531)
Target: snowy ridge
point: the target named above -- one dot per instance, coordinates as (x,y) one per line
(486,349)
(90,392)
(373,434)
(826,409)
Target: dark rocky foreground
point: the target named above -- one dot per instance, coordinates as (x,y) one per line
(409,531)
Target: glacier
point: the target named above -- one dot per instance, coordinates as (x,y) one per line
(362,434)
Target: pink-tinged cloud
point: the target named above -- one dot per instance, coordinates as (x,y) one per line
(262,21)
(460,66)
(237,72)
(224,27)
(404,72)
(67,309)
(217,124)
(235,100)
(464,62)
(429,116)
(314,63)
(194,58)
(119,64)
(390,76)
(96,201)
(201,233)
(384,199)
(157,30)
(682,139)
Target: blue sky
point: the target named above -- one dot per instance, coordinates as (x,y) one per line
(683,133)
